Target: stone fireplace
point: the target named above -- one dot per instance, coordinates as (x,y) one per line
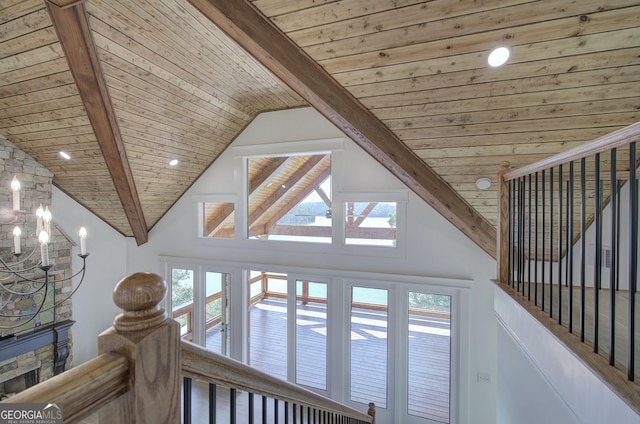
(34,354)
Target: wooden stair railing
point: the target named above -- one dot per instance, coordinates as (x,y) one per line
(142,361)
(204,365)
(553,252)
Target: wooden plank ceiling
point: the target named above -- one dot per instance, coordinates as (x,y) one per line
(406,79)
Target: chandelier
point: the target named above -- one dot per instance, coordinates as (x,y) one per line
(25,293)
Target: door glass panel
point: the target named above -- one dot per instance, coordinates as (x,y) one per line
(182,300)
(429,356)
(311,334)
(369,348)
(216,312)
(268,324)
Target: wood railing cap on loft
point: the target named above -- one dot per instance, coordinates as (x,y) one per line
(605,143)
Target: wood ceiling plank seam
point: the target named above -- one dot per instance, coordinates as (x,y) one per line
(52,134)
(466,161)
(161,149)
(393,65)
(419,128)
(165,46)
(281,7)
(480,151)
(24,25)
(555,83)
(125,117)
(190,158)
(272,48)
(521,99)
(408,14)
(613,121)
(50,115)
(146,81)
(31,57)
(67,90)
(72,26)
(517,24)
(33,72)
(67,140)
(347,12)
(514,71)
(62,123)
(28,42)
(148,65)
(125,99)
(140,138)
(519,114)
(45,82)
(14,10)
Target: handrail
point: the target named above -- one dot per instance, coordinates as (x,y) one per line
(605,143)
(203,364)
(82,390)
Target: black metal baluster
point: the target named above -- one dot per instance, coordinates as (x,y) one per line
(232,406)
(633,257)
(275,410)
(522,232)
(294,411)
(529,240)
(544,233)
(583,245)
(301,413)
(286,412)
(617,257)
(535,255)
(251,408)
(570,206)
(186,400)
(560,216)
(597,267)
(264,409)
(309,414)
(512,232)
(520,279)
(613,201)
(551,243)
(212,403)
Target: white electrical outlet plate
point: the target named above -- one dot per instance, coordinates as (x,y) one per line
(484,378)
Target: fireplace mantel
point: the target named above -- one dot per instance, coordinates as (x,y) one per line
(56,334)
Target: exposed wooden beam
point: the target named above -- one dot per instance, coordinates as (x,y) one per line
(264,41)
(72,26)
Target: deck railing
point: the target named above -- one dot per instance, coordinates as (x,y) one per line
(568,244)
(143,364)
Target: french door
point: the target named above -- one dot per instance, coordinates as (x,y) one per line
(200,303)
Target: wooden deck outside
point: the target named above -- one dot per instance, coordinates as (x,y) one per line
(429,354)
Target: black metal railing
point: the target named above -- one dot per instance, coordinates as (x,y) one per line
(561,252)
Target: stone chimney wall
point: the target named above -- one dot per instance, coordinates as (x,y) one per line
(36,182)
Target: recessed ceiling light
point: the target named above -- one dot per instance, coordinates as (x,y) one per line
(173,162)
(483,183)
(65,155)
(498,56)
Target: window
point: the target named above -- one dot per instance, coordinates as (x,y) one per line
(218,220)
(289,198)
(371,223)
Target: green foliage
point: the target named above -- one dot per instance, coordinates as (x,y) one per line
(430,302)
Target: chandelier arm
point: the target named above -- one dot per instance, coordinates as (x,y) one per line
(24,293)
(55,305)
(46,290)
(15,264)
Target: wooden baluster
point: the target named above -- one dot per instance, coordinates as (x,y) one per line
(151,343)
(503,225)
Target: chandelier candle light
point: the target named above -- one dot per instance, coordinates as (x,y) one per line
(19,286)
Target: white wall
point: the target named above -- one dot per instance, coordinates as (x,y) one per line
(540,381)
(434,247)
(93,307)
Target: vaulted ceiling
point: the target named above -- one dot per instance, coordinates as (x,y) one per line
(126,86)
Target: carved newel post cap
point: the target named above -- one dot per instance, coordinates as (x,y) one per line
(139,295)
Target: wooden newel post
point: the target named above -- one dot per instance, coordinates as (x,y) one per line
(372,412)
(151,342)
(503,224)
